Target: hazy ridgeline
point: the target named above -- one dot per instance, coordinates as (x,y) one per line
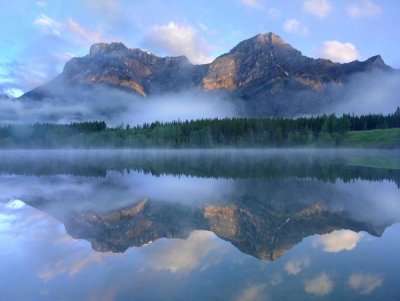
(229,132)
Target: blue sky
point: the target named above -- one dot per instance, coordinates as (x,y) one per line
(37,37)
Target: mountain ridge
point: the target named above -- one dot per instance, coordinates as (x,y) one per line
(265,72)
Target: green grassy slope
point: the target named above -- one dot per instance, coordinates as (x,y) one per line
(387,138)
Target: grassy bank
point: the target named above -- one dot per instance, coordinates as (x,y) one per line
(384,138)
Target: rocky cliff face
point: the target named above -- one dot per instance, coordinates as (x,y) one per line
(131,69)
(264,71)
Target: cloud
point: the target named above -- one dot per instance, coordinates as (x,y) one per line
(37,64)
(338,241)
(293,267)
(252,3)
(321,285)
(364,8)
(77,266)
(50,26)
(339,52)
(374,91)
(76,29)
(15,204)
(53,270)
(13,92)
(318,8)
(254,292)
(28,72)
(365,283)
(178,39)
(47,24)
(180,256)
(295,26)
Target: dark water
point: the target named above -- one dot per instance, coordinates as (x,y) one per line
(200,225)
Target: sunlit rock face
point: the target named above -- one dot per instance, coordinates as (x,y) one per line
(132,69)
(265,72)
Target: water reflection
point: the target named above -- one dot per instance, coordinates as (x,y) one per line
(236,226)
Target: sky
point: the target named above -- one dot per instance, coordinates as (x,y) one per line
(37,37)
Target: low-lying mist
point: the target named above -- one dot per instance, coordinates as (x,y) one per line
(373,92)
(116,107)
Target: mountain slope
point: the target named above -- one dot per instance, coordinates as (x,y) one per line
(268,75)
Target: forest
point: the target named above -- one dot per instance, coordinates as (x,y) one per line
(320,131)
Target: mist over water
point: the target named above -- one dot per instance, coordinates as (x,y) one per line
(103,180)
(88,224)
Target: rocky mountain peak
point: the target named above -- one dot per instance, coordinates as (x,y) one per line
(269,74)
(263,42)
(269,38)
(377,61)
(105,48)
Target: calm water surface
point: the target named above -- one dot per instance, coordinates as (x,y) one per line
(200,225)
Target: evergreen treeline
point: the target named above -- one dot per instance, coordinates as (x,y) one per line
(229,132)
(227,164)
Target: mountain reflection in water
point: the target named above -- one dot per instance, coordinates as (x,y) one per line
(264,203)
(273,200)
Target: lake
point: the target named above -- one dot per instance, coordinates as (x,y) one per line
(200,225)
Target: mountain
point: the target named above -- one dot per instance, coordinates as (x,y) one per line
(264,74)
(263,203)
(265,231)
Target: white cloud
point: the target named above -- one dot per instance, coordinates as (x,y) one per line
(252,3)
(47,24)
(76,29)
(14,92)
(339,52)
(71,27)
(339,240)
(178,39)
(183,255)
(318,8)
(15,204)
(252,293)
(364,8)
(321,285)
(295,26)
(293,267)
(365,283)
(39,64)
